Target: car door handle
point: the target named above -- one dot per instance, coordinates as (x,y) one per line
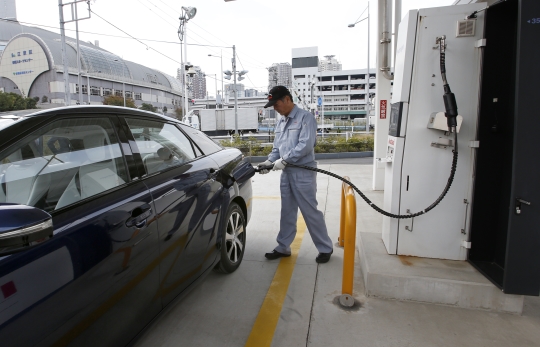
(139,216)
(519,203)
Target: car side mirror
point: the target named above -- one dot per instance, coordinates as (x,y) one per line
(22,227)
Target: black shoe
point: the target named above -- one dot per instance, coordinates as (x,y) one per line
(323,257)
(275,254)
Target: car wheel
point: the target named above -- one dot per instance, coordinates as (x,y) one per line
(233,242)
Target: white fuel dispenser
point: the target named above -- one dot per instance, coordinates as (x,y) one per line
(420,144)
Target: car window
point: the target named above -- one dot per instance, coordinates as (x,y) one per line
(206,144)
(62,163)
(161,145)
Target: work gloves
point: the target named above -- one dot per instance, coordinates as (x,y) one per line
(279,164)
(266,163)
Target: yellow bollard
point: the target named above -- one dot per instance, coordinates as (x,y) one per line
(349,240)
(342,214)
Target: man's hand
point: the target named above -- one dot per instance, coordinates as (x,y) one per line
(279,164)
(266,163)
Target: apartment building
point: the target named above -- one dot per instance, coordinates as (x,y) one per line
(279,74)
(329,64)
(344,93)
(198,84)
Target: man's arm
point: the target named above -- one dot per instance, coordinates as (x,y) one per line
(274,154)
(306,140)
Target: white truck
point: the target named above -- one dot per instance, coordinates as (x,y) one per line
(216,122)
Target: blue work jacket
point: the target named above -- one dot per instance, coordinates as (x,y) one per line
(296,136)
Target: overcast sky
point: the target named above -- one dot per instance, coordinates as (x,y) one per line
(263,31)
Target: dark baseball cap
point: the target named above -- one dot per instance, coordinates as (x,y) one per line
(277,93)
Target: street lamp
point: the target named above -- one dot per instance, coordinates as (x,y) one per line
(123,83)
(228,75)
(220,57)
(368,102)
(187,14)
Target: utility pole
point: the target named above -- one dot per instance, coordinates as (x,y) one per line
(368,105)
(74,18)
(235,91)
(185,108)
(67,96)
(187,14)
(222,90)
(78,52)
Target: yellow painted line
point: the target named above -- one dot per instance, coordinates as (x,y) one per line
(266,322)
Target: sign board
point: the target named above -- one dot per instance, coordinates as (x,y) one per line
(382,109)
(319,101)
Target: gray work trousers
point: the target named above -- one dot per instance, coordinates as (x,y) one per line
(298,190)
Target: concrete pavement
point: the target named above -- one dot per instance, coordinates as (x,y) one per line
(221,311)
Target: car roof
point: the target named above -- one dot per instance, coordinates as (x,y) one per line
(86,109)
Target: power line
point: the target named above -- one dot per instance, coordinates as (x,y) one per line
(147,47)
(252,84)
(116,36)
(166,13)
(166,21)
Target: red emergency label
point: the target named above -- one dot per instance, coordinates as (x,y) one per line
(383,109)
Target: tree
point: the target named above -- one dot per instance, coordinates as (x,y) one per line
(114,100)
(178,112)
(12,102)
(148,107)
(44,99)
(31,103)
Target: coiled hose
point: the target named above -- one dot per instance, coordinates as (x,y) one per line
(380,210)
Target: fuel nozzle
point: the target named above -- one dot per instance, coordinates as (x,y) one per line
(260,168)
(450,103)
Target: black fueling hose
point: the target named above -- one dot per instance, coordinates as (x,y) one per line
(450,105)
(380,210)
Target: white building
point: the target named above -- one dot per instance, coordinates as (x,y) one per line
(344,93)
(279,74)
(229,91)
(330,64)
(31,65)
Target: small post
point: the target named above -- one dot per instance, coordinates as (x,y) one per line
(349,242)
(342,213)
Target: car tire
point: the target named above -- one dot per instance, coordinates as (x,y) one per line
(233,242)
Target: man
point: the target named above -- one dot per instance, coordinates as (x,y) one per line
(296,134)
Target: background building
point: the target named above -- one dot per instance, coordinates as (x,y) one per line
(249,93)
(8,11)
(229,91)
(279,75)
(31,65)
(198,84)
(344,92)
(329,64)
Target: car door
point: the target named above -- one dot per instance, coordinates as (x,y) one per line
(95,282)
(187,200)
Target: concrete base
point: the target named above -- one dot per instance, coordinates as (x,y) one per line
(437,281)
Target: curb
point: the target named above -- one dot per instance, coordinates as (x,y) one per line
(318,156)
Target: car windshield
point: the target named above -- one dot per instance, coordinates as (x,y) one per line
(8,120)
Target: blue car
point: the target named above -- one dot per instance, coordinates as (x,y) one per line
(108,214)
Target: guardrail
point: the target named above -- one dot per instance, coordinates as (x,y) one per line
(347,240)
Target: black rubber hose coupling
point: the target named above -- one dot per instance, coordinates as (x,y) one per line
(450,105)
